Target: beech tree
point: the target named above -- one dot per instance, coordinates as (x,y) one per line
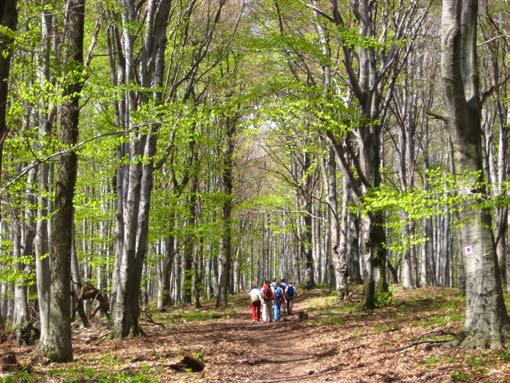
(8,20)
(57,344)
(135,180)
(486,323)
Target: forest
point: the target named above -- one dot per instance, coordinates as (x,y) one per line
(159,159)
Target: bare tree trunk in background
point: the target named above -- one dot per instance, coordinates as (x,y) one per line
(307,240)
(189,245)
(341,250)
(137,183)
(405,113)
(41,242)
(76,286)
(117,70)
(333,217)
(486,323)
(126,310)
(21,290)
(164,298)
(426,269)
(199,274)
(228,187)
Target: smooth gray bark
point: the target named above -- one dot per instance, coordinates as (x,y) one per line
(76,286)
(41,242)
(340,254)
(486,323)
(21,290)
(164,297)
(137,183)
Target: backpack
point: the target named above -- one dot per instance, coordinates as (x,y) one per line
(266,292)
(278,293)
(290,291)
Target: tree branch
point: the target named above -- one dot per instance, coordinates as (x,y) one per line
(35,163)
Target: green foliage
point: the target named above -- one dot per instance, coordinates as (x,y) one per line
(431,361)
(460,376)
(504,356)
(444,194)
(309,110)
(384,299)
(198,315)
(19,377)
(478,364)
(267,201)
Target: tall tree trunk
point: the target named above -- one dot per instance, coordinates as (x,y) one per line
(137,183)
(426,269)
(199,274)
(228,178)
(307,242)
(57,346)
(189,242)
(486,323)
(407,268)
(9,20)
(42,262)
(340,251)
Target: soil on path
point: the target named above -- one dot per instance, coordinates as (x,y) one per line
(281,351)
(336,343)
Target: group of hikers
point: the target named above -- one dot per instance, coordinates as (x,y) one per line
(270,298)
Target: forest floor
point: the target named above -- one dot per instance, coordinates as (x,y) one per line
(337,342)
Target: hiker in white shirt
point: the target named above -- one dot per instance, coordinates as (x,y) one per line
(256,301)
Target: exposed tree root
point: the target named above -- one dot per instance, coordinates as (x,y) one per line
(482,341)
(440,341)
(151,320)
(437,333)
(430,342)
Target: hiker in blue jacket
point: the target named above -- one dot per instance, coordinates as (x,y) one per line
(283,285)
(290,294)
(279,299)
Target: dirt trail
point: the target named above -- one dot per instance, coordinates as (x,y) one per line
(266,352)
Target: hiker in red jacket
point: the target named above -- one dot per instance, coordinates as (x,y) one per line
(267,302)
